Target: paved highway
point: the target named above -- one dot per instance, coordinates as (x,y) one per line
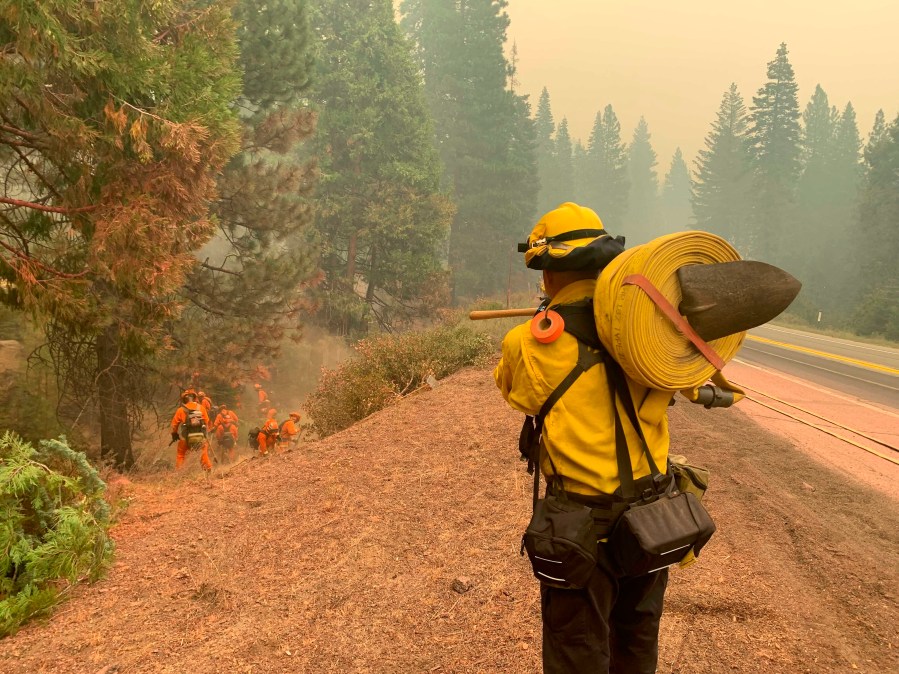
(866,371)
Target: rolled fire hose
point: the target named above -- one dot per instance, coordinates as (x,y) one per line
(649,347)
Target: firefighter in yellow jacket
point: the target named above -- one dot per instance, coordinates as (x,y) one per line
(611,625)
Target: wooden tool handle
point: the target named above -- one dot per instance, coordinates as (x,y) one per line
(501,313)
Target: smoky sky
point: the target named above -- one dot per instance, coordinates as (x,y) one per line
(672,61)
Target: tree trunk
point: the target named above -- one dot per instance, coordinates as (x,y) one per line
(351,261)
(372,281)
(115,430)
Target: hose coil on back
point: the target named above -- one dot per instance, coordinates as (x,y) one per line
(650,349)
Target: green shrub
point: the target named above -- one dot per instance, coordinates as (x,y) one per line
(53,526)
(386,368)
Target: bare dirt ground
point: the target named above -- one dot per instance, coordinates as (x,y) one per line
(341,558)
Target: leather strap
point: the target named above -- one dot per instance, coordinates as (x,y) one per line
(679,321)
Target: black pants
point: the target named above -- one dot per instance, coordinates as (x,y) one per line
(609,627)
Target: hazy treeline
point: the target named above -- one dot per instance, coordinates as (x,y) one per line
(795,187)
(185,189)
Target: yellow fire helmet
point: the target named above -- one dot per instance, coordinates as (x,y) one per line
(570,238)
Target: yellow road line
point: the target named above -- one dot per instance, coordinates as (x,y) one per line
(824,354)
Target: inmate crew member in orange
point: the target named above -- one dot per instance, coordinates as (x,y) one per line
(205,401)
(290,432)
(180,431)
(268,434)
(612,624)
(225,422)
(264,402)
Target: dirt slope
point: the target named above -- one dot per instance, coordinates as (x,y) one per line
(340,558)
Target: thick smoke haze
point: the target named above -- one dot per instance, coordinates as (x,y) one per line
(671,61)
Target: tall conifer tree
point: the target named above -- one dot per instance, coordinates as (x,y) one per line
(721,193)
(878,133)
(580,166)
(547,166)
(114,128)
(878,308)
(676,192)
(382,217)
(774,139)
(565,162)
(642,212)
(460,46)
(607,181)
(247,291)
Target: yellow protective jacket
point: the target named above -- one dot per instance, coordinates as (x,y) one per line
(579,431)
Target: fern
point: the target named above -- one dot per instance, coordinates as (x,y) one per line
(54,526)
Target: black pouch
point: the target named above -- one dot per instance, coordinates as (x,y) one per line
(561,543)
(651,536)
(662,524)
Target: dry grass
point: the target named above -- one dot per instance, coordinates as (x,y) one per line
(340,557)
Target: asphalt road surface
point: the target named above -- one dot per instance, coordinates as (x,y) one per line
(866,371)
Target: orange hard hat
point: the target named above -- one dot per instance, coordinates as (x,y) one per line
(257,386)
(272,412)
(201,394)
(295,415)
(189,393)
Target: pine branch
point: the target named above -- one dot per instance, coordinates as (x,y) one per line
(47,209)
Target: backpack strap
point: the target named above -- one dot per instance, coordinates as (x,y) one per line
(580,322)
(587,358)
(618,388)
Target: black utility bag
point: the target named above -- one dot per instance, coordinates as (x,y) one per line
(661,524)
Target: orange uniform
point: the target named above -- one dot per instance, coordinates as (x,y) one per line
(268,434)
(290,431)
(225,422)
(186,437)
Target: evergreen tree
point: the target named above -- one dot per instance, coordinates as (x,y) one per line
(565,162)
(641,224)
(116,120)
(381,217)
(878,309)
(878,133)
(247,290)
(580,166)
(819,238)
(547,167)
(721,194)
(774,139)
(460,48)
(608,184)
(676,193)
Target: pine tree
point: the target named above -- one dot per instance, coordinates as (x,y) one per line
(878,133)
(247,292)
(460,48)
(814,203)
(580,166)
(774,139)
(721,194)
(642,212)
(676,192)
(608,184)
(565,162)
(839,227)
(878,308)
(116,121)
(382,218)
(547,167)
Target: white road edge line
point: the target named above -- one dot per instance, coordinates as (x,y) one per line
(820,389)
(818,367)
